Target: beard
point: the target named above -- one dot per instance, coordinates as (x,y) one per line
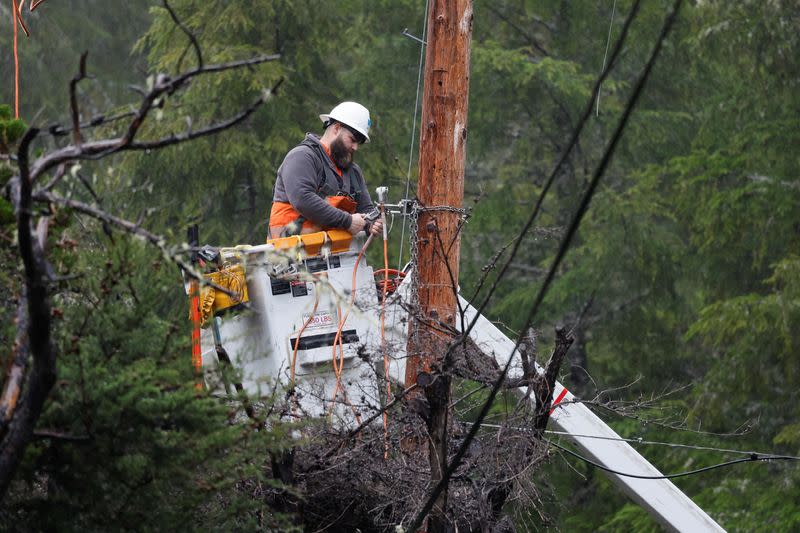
(340,155)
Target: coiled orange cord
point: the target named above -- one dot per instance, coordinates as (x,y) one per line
(300,334)
(338,341)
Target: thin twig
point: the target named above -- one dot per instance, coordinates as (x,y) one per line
(188,33)
(73,100)
(565,243)
(163,85)
(587,112)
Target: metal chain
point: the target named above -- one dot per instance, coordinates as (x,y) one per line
(416,209)
(414,259)
(460,210)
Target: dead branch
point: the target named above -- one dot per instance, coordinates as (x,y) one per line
(42,376)
(546,382)
(134,229)
(57,130)
(163,85)
(15,375)
(188,33)
(73,101)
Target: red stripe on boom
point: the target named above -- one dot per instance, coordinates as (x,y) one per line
(560,397)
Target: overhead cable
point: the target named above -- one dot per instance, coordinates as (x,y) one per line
(563,247)
(753,457)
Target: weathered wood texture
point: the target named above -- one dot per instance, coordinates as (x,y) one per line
(443,141)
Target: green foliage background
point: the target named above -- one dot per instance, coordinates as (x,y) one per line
(689,255)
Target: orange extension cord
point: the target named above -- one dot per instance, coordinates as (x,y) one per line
(15,17)
(383,337)
(338,341)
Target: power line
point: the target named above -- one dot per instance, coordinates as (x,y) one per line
(640,440)
(573,141)
(753,457)
(563,247)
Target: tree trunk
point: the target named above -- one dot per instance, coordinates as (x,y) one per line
(443,135)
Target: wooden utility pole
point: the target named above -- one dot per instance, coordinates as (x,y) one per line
(443,141)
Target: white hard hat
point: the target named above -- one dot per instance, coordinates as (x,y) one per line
(351,114)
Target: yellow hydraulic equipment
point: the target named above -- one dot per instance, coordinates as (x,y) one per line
(213,301)
(231,276)
(312,244)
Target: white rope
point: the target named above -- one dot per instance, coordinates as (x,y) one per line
(605,56)
(413,132)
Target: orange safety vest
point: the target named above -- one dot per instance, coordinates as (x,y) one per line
(285,220)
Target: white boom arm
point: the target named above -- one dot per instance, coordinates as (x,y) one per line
(292,323)
(659,497)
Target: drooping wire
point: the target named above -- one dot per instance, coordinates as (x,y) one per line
(573,141)
(416,522)
(413,132)
(639,440)
(753,457)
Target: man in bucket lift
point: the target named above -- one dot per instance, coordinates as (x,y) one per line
(319,187)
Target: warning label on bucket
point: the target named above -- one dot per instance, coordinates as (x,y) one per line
(320,319)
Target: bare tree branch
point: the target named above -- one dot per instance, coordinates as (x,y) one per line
(73,101)
(565,243)
(42,376)
(134,229)
(15,374)
(186,30)
(546,383)
(163,85)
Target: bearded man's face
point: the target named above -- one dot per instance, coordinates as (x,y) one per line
(343,148)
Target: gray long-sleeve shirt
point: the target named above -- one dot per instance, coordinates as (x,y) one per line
(307,176)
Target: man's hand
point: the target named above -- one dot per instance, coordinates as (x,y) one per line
(377,228)
(357,224)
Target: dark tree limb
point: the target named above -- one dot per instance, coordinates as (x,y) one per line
(73,100)
(42,376)
(188,33)
(163,85)
(564,246)
(545,383)
(57,130)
